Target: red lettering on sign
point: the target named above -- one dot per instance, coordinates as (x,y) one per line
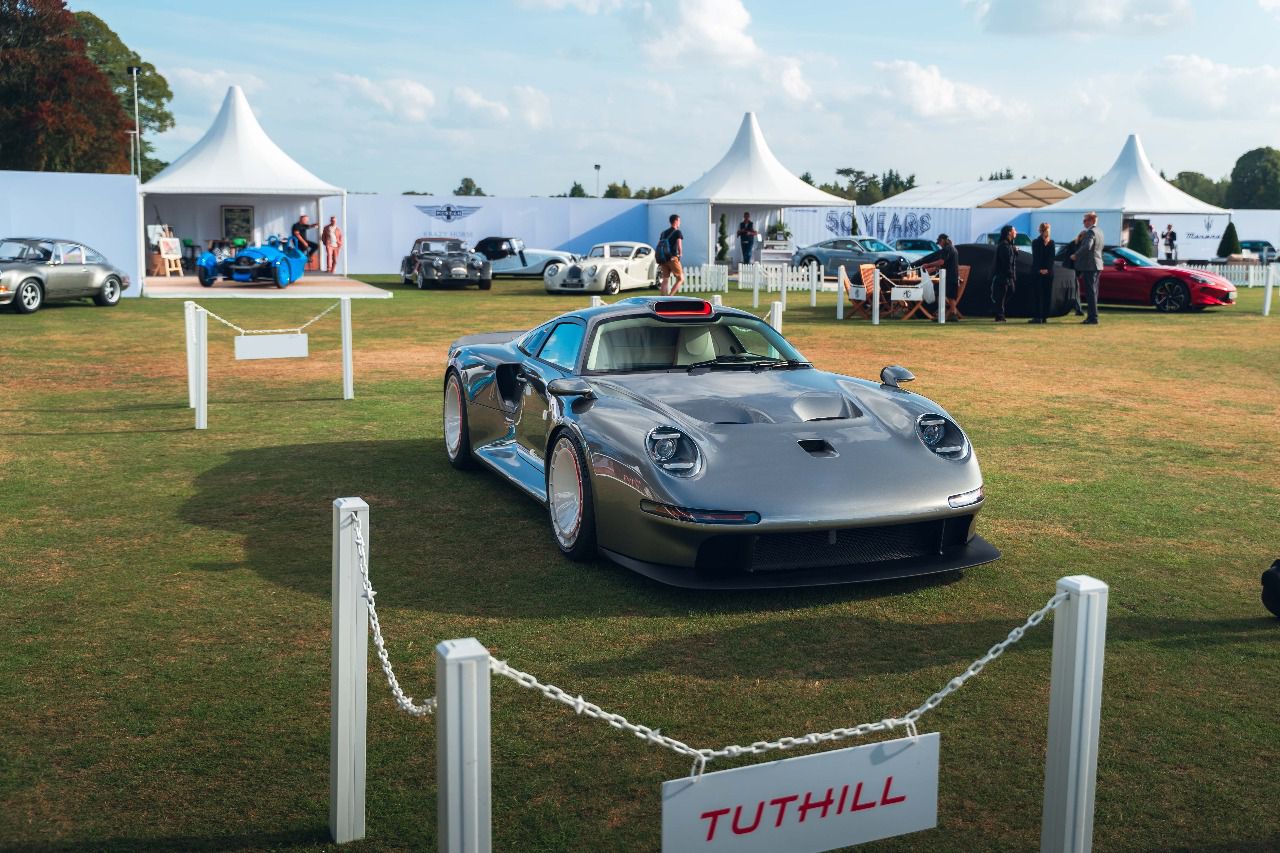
(885,799)
(738,814)
(715,818)
(856,806)
(844,792)
(781,803)
(809,804)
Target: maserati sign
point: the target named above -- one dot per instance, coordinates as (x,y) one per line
(807,804)
(447,212)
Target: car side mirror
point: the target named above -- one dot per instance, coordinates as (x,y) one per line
(571,388)
(893,374)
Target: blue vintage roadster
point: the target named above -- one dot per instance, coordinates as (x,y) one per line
(280,262)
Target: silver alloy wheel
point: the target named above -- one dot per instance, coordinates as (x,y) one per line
(612,282)
(564,492)
(110,290)
(30,296)
(453,416)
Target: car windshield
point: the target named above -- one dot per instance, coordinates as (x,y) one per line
(871,244)
(1134,258)
(21,250)
(731,342)
(596,252)
(440,246)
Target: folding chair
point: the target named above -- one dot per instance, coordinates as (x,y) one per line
(868,274)
(918,307)
(953,305)
(846,285)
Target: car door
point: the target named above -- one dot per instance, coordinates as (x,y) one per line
(555,359)
(1121,282)
(68,274)
(640,269)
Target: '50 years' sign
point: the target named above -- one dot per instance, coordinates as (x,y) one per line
(808,804)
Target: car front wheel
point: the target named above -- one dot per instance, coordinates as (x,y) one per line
(1169,294)
(457,433)
(569,500)
(612,283)
(109,294)
(485,283)
(204,277)
(29,298)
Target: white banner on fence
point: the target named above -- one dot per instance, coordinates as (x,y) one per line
(271,346)
(807,804)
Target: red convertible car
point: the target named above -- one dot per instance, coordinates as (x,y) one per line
(1133,279)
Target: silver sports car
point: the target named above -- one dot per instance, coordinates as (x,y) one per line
(36,269)
(694,444)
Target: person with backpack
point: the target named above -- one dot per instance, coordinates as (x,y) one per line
(667,253)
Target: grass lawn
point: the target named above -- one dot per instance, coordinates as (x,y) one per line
(165,675)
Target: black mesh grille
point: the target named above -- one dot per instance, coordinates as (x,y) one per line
(850,546)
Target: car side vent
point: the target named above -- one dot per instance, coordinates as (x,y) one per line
(817,447)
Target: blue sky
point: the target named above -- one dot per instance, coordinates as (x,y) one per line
(525,96)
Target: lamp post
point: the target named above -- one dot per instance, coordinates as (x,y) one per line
(597,180)
(133,143)
(137,124)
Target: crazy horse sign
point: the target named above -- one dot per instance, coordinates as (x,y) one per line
(807,804)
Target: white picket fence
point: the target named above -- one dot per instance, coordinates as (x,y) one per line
(708,278)
(461,708)
(1244,275)
(775,278)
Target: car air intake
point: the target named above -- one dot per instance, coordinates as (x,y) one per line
(817,447)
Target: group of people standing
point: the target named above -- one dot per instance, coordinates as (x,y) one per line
(330,236)
(1085,256)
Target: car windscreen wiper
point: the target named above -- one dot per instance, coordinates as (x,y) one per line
(771,363)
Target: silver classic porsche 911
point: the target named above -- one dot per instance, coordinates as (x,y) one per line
(694,444)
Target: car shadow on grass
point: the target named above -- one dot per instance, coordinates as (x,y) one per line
(247,841)
(443,540)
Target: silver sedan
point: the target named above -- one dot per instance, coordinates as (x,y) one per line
(36,269)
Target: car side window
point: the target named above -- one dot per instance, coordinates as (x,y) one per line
(1108,257)
(92,257)
(532,341)
(562,346)
(643,252)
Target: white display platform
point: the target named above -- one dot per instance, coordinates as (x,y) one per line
(311,286)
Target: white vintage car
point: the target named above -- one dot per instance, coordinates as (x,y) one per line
(510,257)
(607,268)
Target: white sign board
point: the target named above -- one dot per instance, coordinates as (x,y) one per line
(907,294)
(807,804)
(858,293)
(271,346)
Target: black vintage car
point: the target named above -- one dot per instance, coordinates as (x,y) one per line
(444,260)
(977,301)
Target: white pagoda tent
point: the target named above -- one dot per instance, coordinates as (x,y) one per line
(236,179)
(1133,189)
(747,178)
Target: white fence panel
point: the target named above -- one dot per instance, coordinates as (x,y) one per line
(707,278)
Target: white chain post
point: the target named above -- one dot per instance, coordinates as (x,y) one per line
(755,286)
(189,321)
(782,285)
(875,300)
(348,369)
(813,285)
(463,772)
(348,675)
(716,300)
(1075,704)
(942,296)
(1267,285)
(842,282)
(200,322)
(775,315)
(597,302)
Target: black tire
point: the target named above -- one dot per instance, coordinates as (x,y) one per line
(420,280)
(576,541)
(1169,295)
(459,455)
(612,283)
(808,259)
(485,283)
(29,297)
(109,294)
(1271,589)
(203,276)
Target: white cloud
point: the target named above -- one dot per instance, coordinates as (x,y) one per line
(404,99)
(1193,87)
(533,106)
(1083,17)
(793,82)
(1272,6)
(478,105)
(708,29)
(211,85)
(587,7)
(926,94)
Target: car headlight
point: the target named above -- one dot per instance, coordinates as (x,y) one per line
(942,436)
(592,270)
(1201,279)
(477,263)
(553,270)
(437,263)
(673,451)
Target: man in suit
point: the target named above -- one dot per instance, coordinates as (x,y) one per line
(1088,261)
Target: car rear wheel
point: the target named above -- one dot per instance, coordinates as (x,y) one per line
(29,298)
(1169,294)
(109,294)
(612,282)
(457,433)
(569,500)
(485,283)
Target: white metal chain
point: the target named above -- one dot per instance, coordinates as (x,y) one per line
(404,702)
(297,330)
(703,756)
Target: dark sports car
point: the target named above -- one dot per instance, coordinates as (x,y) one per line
(693,444)
(278,261)
(445,260)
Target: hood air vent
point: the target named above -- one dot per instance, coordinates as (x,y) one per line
(817,447)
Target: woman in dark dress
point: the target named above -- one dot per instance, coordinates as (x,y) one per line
(1005,273)
(1042,252)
